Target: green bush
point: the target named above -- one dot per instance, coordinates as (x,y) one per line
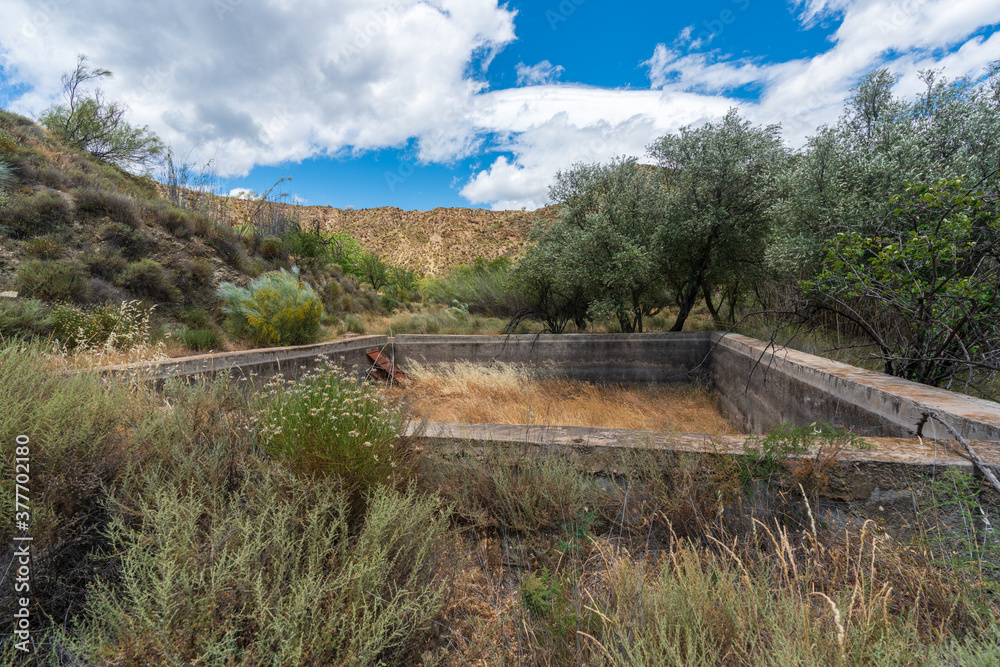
(148,278)
(54,280)
(354,324)
(24,317)
(6,178)
(200,339)
(271,572)
(100,203)
(70,421)
(177,221)
(40,213)
(487,288)
(129,241)
(326,422)
(274,309)
(121,327)
(272,248)
(43,247)
(105,265)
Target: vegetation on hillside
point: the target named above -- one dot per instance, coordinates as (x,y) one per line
(199,523)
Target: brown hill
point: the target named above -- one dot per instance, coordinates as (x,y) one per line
(430,241)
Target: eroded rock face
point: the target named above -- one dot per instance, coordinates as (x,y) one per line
(431,241)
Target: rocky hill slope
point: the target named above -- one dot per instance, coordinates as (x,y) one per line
(430,241)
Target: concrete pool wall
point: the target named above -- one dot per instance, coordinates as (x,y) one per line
(758,385)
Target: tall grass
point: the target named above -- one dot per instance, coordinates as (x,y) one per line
(510,394)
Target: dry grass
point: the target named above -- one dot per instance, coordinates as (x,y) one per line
(510,394)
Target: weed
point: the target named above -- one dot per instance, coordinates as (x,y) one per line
(108,327)
(54,280)
(272,248)
(200,339)
(104,264)
(101,202)
(354,324)
(40,213)
(44,247)
(130,242)
(24,317)
(149,278)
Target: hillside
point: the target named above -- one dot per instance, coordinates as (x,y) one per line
(430,241)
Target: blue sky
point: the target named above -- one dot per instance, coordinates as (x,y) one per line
(426,103)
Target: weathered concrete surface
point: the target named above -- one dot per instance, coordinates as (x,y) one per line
(892,482)
(760,385)
(654,357)
(289,361)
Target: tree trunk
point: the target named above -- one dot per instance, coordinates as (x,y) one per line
(686,302)
(707,293)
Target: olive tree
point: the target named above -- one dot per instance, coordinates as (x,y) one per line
(603,251)
(722,181)
(91,122)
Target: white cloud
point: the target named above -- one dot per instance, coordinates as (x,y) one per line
(241,192)
(262,83)
(247,84)
(538,74)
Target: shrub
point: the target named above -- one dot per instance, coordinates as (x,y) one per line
(354,324)
(99,202)
(40,213)
(70,421)
(272,248)
(6,178)
(516,490)
(326,422)
(229,250)
(44,247)
(487,287)
(147,277)
(274,309)
(53,280)
(344,594)
(105,265)
(129,241)
(200,339)
(177,221)
(330,293)
(24,317)
(109,327)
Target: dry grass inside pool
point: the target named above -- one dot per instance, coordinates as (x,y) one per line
(509,394)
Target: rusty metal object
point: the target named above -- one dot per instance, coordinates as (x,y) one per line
(384,369)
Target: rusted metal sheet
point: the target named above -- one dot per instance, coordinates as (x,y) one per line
(384,369)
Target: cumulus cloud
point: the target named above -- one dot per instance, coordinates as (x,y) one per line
(262,83)
(250,84)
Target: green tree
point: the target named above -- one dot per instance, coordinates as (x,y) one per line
(847,175)
(925,293)
(604,246)
(373,269)
(722,182)
(92,123)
